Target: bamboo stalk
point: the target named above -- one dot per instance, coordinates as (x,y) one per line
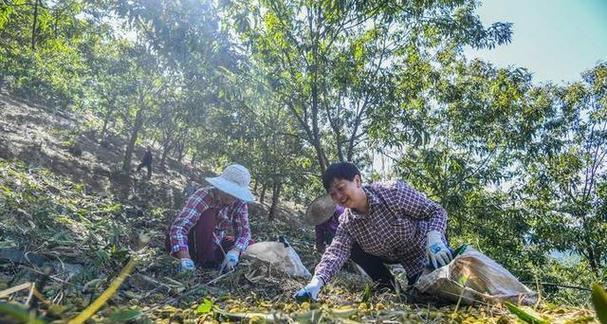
(107,294)
(9,291)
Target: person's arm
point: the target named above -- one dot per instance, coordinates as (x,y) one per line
(242,229)
(416,205)
(332,260)
(336,254)
(184,221)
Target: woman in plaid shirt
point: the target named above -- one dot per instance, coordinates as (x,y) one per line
(384,222)
(197,234)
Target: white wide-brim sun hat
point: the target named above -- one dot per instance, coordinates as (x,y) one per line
(234,180)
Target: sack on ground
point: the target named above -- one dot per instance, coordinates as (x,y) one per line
(474,277)
(283,258)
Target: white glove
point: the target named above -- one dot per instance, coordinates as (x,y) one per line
(438,253)
(187,265)
(230,260)
(310,291)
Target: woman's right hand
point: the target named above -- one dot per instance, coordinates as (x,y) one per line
(187,265)
(310,291)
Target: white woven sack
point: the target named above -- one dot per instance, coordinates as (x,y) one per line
(281,257)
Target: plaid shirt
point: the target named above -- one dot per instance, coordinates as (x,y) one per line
(395,228)
(233,217)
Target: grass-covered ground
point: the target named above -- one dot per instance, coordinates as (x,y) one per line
(72,243)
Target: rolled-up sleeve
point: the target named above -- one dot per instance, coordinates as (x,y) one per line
(242,229)
(335,255)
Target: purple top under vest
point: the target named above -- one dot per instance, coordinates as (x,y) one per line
(326,231)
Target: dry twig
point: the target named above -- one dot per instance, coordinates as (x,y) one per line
(9,291)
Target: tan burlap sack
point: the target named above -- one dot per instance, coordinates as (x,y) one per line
(474,277)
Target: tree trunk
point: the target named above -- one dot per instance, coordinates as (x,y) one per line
(103,130)
(593,262)
(263,193)
(178,144)
(591,257)
(352,140)
(180,151)
(34,24)
(588,243)
(56,24)
(275,196)
(166,147)
(128,155)
(322,159)
(106,119)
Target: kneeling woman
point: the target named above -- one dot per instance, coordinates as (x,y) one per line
(383,223)
(198,233)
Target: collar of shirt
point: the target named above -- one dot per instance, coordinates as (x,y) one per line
(214,201)
(372,200)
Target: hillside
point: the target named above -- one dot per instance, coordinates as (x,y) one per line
(70,223)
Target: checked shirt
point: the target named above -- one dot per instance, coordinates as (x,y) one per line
(395,228)
(234,218)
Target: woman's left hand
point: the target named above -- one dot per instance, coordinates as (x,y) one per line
(438,253)
(230,260)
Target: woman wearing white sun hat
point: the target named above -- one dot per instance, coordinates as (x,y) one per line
(198,233)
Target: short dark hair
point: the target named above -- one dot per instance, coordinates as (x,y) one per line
(339,170)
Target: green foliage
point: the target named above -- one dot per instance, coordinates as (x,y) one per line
(286,87)
(55,212)
(599,301)
(20,313)
(366,295)
(525,314)
(563,185)
(332,63)
(125,315)
(205,307)
(42,57)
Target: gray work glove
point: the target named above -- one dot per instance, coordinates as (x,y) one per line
(438,253)
(310,291)
(187,265)
(230,260)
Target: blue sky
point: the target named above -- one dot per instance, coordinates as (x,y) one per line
(555,39)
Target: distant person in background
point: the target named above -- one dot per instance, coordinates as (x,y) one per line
(323,213)
(198,237)
(146,161)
